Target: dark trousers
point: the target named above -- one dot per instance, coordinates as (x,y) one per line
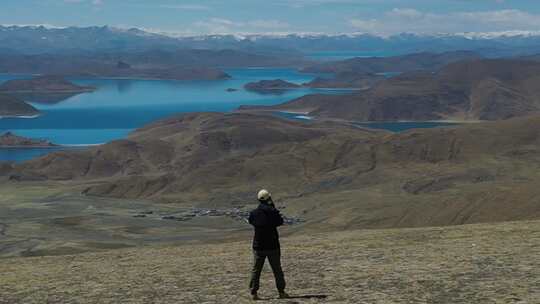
(274,258)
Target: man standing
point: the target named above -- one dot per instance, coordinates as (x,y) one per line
(265,219)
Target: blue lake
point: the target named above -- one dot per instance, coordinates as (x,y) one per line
(394,126)
(119,106)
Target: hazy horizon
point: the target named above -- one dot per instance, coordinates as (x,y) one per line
(193,18)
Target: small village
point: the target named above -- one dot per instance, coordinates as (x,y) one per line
(189,214)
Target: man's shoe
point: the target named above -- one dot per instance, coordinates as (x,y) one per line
(255,297)
(283,295)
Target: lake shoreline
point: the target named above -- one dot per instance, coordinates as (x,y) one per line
(50,147)
(123,104)
(21,116)
(307,111)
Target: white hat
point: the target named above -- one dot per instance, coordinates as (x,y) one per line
(263,195)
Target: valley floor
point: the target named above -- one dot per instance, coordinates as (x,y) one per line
(486,263)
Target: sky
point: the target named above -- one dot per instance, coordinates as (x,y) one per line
(190,17)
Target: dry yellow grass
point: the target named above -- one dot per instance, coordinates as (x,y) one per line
(488,263)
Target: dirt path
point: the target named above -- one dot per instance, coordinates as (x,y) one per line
(467,264)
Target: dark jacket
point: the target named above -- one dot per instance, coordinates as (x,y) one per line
(265,219)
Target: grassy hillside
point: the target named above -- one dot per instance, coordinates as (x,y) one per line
(489,263)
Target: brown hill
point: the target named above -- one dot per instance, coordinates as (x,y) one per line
(173,156)
(11,106)
(346,80)
(43,89)
(333,175)
(180,64)
(81,66)
(404,63)
(9,139)
(275,86)
(42,84)
(342,80)
(466,90)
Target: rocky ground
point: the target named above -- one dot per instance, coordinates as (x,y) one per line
(44,219)
(487,263)
(188,214)
(9,139)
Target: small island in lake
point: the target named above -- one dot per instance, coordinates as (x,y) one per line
(11,106)
(341,80)
(10,140)
(276,86)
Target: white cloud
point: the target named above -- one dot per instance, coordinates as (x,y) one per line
(401,20)
(307,3)
(191,7)
(216,25)
(94,2)
(268,24)
(406,13)
(370,26)
(226,26)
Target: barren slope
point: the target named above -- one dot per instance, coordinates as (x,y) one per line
(43,84)
(494,263)
(465,90)
(12,106)
(334,176)
(404,63)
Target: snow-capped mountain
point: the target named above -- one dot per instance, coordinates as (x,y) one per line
(34,39)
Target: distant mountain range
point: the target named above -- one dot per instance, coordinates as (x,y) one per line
(41,39)
(180,64)
(393,64)
(75,40)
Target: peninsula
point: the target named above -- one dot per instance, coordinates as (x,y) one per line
(11,106)
(43,89)
(47,84)
(10,140)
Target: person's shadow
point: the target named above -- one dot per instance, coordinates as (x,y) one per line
(320,296)
(292,297)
